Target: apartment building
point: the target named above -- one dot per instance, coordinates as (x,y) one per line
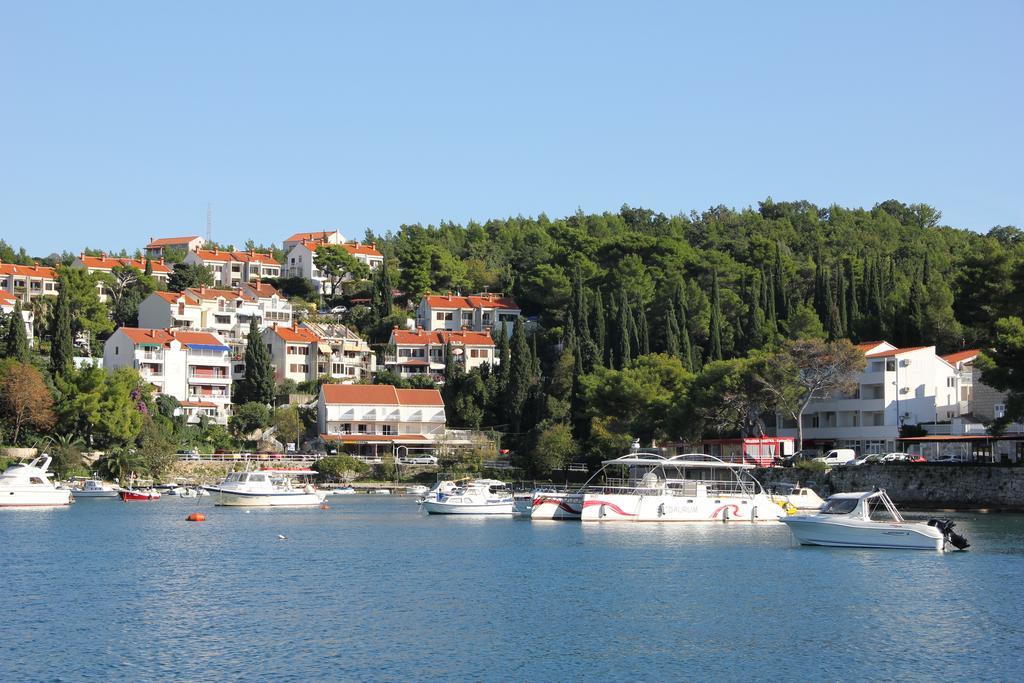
(422,352)
(234,268)
(310,351)
(301,261)
(323,236)
(372,420)
(28,282)
(477,312)
(899,386)
(156,247)
(7,303)
(106,264)
(193,367)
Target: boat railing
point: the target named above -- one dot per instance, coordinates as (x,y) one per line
(677,487)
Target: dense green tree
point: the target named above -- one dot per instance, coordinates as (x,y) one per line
(247,418)
(520,371)
(186,275)
(1002,367)
(126,287)
(338,265)
(383,286)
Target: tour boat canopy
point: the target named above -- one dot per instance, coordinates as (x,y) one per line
(676,461)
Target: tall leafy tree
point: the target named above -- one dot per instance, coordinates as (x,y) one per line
(257,386)
(62,349)
(383,286)
(781,303)
(1002,367)
(17,340)
(337,264)
(852,308)
(599,334)
(25,399)
(520,376)
(715,327)
(186,275)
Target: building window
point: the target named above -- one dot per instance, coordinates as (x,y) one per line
(386,430)
(362,429)
(890,365)
(999,411)
(951,381)
(441,315)
(346,428)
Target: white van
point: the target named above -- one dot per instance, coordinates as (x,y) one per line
(838,456)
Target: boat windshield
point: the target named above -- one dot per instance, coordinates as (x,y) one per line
(839,506)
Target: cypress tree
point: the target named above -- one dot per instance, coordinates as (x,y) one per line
(715,326)
(579,304)
(642,330)
(503,353)
(833,320)
(17,340)
(599,335)
(865,288)
(671,331)
(685,347)
(613,343)
(519,378)
(852,310)
(257,385)
(914,318)
(383,286)
(626,333)
(781,303)
(841,302)
(754,325)
(768,303)
(148,272)
(62,349)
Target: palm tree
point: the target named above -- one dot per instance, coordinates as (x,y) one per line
(67,453)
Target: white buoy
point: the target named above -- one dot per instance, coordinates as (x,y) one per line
(282,538)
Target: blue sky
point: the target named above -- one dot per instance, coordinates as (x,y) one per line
(120,121)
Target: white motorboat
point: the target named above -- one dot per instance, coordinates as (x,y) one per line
(684,488)
(193,492)
(267,488)
(870,520)
(95,488)
(343,491)
(417,490)
(438,490)
(476,497)
(798,498)
(29,485)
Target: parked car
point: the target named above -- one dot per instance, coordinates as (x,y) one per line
(950,458)
(838,456)
(800,456)
(916,457)
(895,457)
(338,310)
(869,459)
(421,460)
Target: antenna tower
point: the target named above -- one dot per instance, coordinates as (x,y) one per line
(209,222)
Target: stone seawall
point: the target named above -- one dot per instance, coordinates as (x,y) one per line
(917,485)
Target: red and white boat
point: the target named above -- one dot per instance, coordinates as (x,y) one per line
(134,494)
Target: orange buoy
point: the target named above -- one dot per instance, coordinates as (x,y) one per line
(324,506)
(196,517)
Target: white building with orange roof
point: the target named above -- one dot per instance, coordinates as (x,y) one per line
(376,419)
(106,264)
(155,248)
(28,282)
(899,386)
(7,303)
(301,261)
(311,351)
(422,352)
(193,367)
(233,268)
(478,312)
(322,236)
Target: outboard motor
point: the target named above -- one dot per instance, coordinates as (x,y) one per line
(952,537)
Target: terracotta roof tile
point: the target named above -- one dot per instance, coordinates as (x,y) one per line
(28,271)
(141,335)
(445,301)
(380,394)
(109,262)
(895,352)
(423,337)
(296,334)
(304,236)
(959,356)
(171,241)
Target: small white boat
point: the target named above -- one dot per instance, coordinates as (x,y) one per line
(477,497)
(343,491)
(438,490)
(380,492)
(418,490)
(798,498)
(870,520)
(95,488)
(193,492)
(29,485)
(263,489)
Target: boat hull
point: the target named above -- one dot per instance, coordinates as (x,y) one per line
(240,499)
(94,494)
(13,498)
(853,534)
(617,507)
(557,506)
(442,508)
(138,496)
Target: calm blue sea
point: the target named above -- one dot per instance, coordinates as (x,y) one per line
(371,589)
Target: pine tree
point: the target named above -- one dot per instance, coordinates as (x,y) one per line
(257,385)
(715,326)
(62,349)
(17,340)
(519,375)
